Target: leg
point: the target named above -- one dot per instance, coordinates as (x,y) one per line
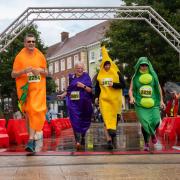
(32,133)
(83,139)
(112,134)
(146,139)
(30,147)
(77,139)
(145,135)
(112,138)
(153,137)
(118,118)
(108,138)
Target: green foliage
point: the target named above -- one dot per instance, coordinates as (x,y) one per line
(50,85)
(1,112)
(130,40)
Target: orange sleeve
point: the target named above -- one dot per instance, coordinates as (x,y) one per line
(44,64)
(43,59)
(17,65)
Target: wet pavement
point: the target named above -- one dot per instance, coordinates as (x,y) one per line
(57,158)
(129,140)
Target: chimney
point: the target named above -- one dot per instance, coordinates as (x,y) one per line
(64,36)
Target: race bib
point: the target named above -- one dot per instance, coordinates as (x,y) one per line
(75,95)
(106,81)
(146,91)
(33,78)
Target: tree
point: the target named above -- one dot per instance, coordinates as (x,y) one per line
(8,89)
(50,85)
(131,40)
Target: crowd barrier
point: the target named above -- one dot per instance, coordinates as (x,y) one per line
(59,124)
(170,128)
(4,137)
(17,132)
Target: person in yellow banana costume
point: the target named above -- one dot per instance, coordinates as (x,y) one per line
(109,90)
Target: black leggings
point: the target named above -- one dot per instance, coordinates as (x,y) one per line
(79,136)
(146,135)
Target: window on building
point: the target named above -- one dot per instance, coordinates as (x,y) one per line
(63,83)
(56,67)
(100,55)
(50,68)
(62,64)
(57,84)
(92,56)
(69,63)
(76,59)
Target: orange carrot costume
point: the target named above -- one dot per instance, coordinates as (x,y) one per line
(35,105)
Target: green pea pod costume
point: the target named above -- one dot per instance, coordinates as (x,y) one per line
(147,96)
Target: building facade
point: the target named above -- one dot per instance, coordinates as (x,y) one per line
(84,47)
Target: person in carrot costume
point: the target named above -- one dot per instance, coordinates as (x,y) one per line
(108,89)
(29,70)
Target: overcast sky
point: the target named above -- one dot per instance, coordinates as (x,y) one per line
(50,30)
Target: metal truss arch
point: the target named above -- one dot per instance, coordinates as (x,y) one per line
(145,13)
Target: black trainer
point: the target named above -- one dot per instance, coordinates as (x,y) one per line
(30,147)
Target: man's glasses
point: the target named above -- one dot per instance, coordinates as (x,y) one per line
(30,41)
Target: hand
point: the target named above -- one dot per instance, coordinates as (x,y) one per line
(36,71)
(60,96)
(110,83)
(40,70)
(178,96)
(96,101)
(28,70)
(79,84)
(132,100)
(163,106)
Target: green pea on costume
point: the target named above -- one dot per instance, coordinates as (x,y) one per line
(147,97)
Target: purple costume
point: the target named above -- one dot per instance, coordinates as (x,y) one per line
(79,103)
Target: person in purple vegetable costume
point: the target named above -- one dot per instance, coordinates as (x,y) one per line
(79,103)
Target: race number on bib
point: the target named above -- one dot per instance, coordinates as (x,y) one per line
(106,81)
(33,78)
(146,91)
(75,95)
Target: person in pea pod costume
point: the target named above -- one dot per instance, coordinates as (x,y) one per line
(146,94)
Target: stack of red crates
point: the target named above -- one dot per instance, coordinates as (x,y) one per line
(4,138)
(60,124)
(17,131)
(47,130)
(170,128)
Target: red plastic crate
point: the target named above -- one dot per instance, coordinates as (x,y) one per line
(2,123)
(4,140)
(17,131)
(163,126)
(46,130)
(172,128)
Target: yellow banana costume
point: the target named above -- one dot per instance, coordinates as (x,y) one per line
(110,99)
